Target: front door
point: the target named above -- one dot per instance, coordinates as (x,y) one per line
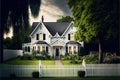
(57,54)
(57,51)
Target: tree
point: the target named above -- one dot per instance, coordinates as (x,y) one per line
(96,20)
(15,13)
(65,19)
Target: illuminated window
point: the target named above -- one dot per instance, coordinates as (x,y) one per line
(74,48)
(70,49)
(39,48)
(43,48)
(71,36)
(40,36)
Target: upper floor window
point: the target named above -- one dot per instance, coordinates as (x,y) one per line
(68,36)
(40,36)
(44,36)
(37,36)
(71,36)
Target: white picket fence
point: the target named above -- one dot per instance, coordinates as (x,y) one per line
(103,70)
(60,71)
(18,70)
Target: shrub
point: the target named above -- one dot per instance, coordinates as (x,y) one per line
(81,73)
(35,74)
(112,59)
(27,57)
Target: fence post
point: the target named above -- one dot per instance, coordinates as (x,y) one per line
(84,65)
(39,67)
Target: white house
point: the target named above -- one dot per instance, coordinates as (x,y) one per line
(53,37)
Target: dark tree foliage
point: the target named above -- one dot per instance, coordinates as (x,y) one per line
(65,19)
(15,13)
(97,20)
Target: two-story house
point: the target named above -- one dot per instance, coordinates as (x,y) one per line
(53,37)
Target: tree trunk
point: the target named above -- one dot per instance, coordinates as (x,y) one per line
(100,51)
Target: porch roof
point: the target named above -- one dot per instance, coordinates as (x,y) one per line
(41,42)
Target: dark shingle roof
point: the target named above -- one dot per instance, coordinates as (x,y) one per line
(34,26)
(40,42)
(54,27)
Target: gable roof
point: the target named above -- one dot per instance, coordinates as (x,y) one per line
(54,27)
(34,26)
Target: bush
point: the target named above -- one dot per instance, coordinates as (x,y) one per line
(81,73)
(27,57)
(112,60)
(35,74)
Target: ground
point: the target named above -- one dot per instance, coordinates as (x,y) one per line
(66,78)
(17,61)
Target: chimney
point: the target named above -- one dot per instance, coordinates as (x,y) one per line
(42,19)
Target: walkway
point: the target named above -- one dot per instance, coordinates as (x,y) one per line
(58,63)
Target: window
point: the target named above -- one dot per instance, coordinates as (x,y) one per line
(37,36)
(39,48)
(71,36)
(43,48)
(68,36)
(47,49)
(44,36)
(70,49)
(66,49)
(25,49)
(28,49)
(74,49)
(40,36)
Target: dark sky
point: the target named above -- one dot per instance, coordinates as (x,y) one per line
(52,10)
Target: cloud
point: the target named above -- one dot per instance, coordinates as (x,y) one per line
(51,10)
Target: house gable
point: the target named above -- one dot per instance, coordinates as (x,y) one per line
(54,27)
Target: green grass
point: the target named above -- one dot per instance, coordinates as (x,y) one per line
(22,62)
(48,62)
(67,62)
(66,78)
(18,61)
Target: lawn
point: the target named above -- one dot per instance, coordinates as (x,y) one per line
(66,78)
(17,61)
(48,62)
(67,62)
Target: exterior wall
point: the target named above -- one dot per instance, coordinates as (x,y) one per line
(70,30)
(41,29)
(56,40)
(8,54)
